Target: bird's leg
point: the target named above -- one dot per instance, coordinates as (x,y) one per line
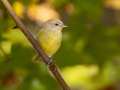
(36,59)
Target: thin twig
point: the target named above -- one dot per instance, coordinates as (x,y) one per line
(48,61)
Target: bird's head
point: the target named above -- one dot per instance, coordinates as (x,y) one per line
(54,24)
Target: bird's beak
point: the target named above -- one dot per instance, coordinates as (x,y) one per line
(64,26)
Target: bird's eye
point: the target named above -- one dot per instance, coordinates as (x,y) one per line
(56,24)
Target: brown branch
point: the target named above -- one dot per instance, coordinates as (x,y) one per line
(48,61)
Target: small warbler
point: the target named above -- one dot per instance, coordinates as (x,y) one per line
(50,36)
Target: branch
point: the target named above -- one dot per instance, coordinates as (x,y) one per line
(48,61)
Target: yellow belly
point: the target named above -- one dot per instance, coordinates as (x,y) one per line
(50,41)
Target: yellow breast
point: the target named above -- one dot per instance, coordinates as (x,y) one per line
(50,41)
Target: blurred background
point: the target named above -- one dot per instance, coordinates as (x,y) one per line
(89,57)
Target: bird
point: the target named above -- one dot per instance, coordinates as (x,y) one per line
(49,36)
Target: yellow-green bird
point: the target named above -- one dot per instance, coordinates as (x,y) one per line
(50,36)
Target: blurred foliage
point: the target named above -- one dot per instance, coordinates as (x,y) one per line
(90,53)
